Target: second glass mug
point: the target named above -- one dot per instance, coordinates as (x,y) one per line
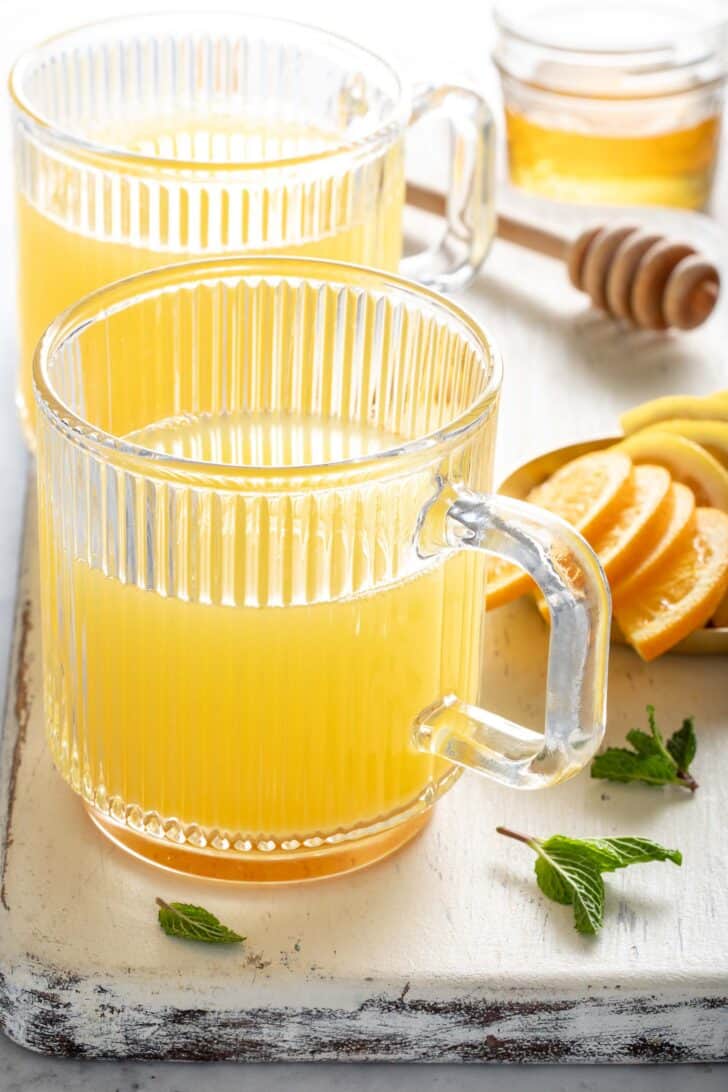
(148,140)
(264,529)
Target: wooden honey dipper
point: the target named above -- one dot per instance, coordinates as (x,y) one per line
(632,274)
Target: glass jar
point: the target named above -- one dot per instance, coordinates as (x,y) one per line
(613,102)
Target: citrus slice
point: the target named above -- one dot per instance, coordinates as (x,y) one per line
(635,526)
(505,583)
(673,523)
(714,406)
(712,435)
(584,492)
(570,568)
(682,594)
(720,618)
(687,461)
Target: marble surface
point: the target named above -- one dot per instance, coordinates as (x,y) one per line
(23,1072)
(20,25)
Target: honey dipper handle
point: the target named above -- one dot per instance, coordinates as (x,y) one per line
(642,278)
(513,231)
(534,238)
(427,200)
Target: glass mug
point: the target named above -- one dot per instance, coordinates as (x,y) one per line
(264,533)
(145,141)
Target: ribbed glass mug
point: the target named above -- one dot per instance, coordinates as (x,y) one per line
(264,531)
(148,140)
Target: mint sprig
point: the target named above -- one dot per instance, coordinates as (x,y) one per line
(182,919)
(569,870)
(650,759)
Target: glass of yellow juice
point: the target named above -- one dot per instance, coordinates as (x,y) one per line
(264,536)
(154,139)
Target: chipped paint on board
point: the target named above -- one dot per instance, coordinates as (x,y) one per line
(57,1012)
(21,712)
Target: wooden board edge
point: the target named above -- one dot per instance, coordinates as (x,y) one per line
(52,1012)
(17,703)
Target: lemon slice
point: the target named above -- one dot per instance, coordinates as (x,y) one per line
(634,529)
(585,492)
(712,435)
(714,406)
(673,523)
(687,461)
(682,594)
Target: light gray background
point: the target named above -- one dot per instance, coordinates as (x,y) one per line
(459,43)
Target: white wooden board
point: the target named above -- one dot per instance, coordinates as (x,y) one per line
(446,951)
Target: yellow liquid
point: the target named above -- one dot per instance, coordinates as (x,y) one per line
(669,168)
(60,262)
(280,722)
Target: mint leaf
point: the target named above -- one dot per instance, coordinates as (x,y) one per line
(619,764)
(573,880)
(553,884)
(609,854)
(569,870)
(651,760)
(652,721)
(182,919)
(683,744)
(644,744)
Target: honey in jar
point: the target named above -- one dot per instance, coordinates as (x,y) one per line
(612,103)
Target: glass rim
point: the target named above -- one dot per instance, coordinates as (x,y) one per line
(381,133)
(122,293)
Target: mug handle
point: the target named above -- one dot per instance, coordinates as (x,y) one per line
(470,201)
(573,583)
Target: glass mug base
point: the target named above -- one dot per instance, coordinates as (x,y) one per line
(256,866)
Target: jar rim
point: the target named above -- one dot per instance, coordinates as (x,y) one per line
(547,37)
(99,304)
(380,132)
(511,19)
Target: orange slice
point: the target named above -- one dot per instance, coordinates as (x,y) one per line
(584,492)
(672,523)
(505,583)
(683,593)
(635,527)
(720,618)
(687,461)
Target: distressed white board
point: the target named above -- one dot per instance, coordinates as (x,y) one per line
(446,951)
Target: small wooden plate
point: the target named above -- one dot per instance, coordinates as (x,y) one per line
(703,642)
